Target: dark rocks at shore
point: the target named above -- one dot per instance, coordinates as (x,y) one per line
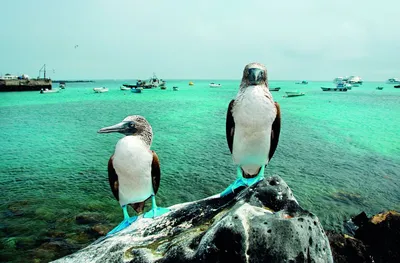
(376,239)
(263,223)
(89,218)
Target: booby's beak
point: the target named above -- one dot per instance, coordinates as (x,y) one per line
(256,76)
(125,127)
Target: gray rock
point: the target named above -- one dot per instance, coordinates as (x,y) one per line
(263,223)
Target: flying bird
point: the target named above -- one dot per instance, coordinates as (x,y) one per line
(134,170)
(76,46)
(253,126)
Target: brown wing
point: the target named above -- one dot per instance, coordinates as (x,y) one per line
(155,172)
(276,130)
(230,126)
(113,178)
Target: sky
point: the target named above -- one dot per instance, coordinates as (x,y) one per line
(191,39)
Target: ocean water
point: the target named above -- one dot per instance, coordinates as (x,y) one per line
(338,151)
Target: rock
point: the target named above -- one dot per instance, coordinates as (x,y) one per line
(382,235)
(263,223)
(89,218)
(348,249)
(99,230)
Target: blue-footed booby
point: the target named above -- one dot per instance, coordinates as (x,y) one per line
(253,126)
(134,170)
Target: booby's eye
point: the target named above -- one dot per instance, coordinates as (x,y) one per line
(131,124)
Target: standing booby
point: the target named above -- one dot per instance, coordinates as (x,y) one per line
(134,170)
(252,127)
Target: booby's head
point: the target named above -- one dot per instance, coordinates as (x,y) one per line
(132,125)
(254,74)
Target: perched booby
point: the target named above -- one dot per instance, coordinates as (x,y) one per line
(134,170)
(252,127)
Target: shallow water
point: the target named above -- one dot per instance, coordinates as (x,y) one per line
(339,152)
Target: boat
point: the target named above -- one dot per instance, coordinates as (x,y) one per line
(191,83)
(354,80)
(275,89)
(348,86)
(397,86)
(215,85)
(136,90)
(333,89)
(100,89)
(302,82)
(10,82)
(393,81)
(339,87)
(154,82)
(379,88)
(43,91)
(62,85)
(294,93)
(124,88)
(175,88)
(163,87)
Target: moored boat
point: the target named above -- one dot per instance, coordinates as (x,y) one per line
(100,89)
(124,88)
(379,88)
(275,89)
(136,90)
(333,89)
(397,86)
(191,83)
(44,91)
(175,88)
(294,93)
(62,85)
(304,82)
(393,81)
(214,85)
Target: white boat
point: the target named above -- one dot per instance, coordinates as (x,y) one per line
(175,88)
(215,85)
(302,82)
(338,80)
(294,93)
(62,85)
(393,81)
(275,89)
(100,89)
(346,85)
(354,80)
(124,88)
(43,91)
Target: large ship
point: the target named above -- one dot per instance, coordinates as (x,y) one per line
(10,82)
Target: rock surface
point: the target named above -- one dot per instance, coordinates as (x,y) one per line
(376,239)
(263,223)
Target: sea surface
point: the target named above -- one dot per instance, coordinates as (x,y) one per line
(338,151)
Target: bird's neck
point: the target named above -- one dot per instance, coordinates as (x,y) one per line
(146,136)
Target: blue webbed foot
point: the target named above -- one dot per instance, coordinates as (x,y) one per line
(125,223)
(155,211)
(241,181)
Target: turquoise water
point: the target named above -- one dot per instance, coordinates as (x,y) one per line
(339,152)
